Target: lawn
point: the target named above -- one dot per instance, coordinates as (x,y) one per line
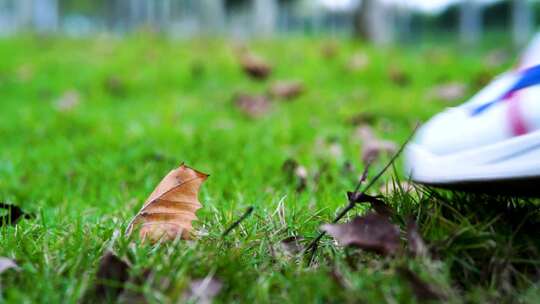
(88,127)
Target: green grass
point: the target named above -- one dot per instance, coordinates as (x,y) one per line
(84,173)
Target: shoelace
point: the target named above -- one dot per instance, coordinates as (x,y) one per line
(529,77)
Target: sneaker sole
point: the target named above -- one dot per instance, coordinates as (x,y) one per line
(509,162)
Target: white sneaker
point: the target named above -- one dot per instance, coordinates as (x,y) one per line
(494,137)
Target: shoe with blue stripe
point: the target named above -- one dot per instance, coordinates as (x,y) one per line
(492,142)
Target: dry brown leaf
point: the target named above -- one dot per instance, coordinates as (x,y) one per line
(365,118)
(68,101)
(12,214)
(170,209)
(252,106)
(336,150)
(203,291)
(302,174)
(111,276)
(292,245)
(114,283)
(496,58)
(358,61)
(328,147)
(115,86)
(416,244)
(254,66)
(348,168)
(25,73)
(330,49)
(133,291)
(296,173)
(286,89)
(376,203)
(449,92)
(372,232)
(372,147)
(6,264)
(398,76)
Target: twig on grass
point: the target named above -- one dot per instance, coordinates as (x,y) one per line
(249,210)
(359,196)
(314,244)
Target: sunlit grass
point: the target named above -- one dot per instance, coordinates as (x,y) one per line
(85,171)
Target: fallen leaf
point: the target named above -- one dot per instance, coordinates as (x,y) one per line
(111,277)
(372,147)
(252,106)
(496,58)
(132,297)
(115,86)
(376,203)
(449,92)
(323,174)
(330,49)
(292,245)
(348,168)
(296,173)
(6,264)
(328,147)
(170,209)
(288,167)
(335,150)
(68,101)
(254,66)
(25,73)
(203,291)
(398,76)
(358,61)
(372,232)
(132,292)
(286,89)
(365,118)
(416,244)
(302,174)
(421,289)
(12,214)
(437,56)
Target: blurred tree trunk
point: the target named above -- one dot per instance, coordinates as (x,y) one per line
(7,15)
(150,13)
(470,22)
(374,22)
(403,23)
(45,15)
(24,13)
(165,13)
(136,13)
(211,15)
(522,21)
(111,13)
(265,14)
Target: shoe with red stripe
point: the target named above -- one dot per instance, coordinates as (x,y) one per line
(491,140)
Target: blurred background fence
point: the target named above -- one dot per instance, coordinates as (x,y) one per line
(380,21)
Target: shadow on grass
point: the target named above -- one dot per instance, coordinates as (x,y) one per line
(488,241)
